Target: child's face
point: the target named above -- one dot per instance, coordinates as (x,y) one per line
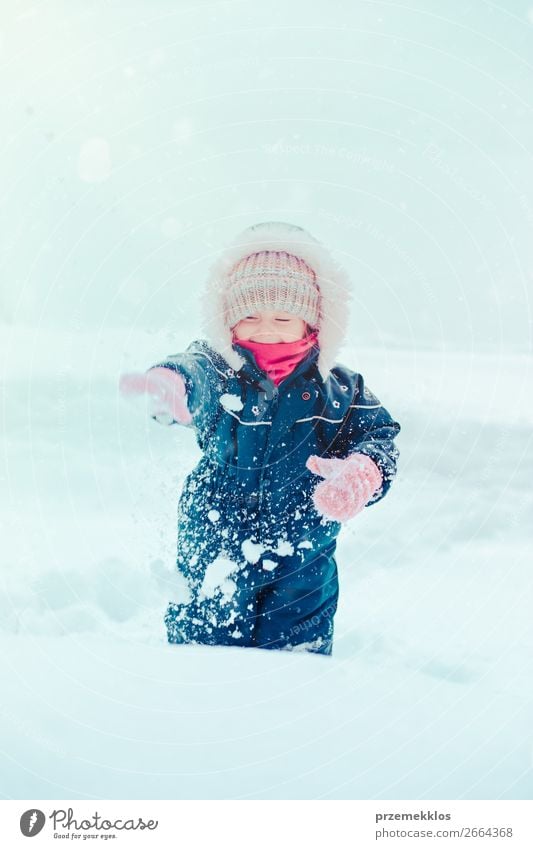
(270,327)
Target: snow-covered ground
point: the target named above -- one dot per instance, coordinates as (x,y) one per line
(429,691)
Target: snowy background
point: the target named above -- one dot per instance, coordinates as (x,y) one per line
(136,139)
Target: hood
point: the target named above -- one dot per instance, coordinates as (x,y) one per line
(331,278)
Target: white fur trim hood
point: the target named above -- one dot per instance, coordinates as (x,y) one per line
(331,279)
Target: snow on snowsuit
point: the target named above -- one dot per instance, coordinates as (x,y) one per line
(258,557)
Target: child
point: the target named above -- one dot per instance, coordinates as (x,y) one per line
(293,444)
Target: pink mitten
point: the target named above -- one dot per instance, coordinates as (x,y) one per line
(349,484)
(166,390)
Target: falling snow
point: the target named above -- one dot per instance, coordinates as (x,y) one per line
(216,579)
(285,548)
(231,402)
(252,550)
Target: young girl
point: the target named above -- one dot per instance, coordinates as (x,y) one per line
(293,445)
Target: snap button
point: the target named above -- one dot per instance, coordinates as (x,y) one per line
(306,396)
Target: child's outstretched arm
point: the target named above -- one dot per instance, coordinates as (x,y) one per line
(181,389)
(365,473)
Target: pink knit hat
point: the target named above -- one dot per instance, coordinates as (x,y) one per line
(272,280)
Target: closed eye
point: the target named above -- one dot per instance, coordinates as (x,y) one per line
(254,318)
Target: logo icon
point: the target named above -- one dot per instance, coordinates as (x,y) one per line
(31,822)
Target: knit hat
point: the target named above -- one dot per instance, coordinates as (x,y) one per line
(275,281)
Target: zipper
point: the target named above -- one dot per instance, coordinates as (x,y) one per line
(270,395)
(270,390)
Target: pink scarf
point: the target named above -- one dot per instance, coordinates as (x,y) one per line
(278,359)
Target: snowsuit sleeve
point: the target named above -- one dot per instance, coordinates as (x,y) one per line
(371,430)
(201,383)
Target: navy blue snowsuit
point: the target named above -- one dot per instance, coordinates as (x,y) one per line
(258,557)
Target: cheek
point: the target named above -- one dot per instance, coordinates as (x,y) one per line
(239,331)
